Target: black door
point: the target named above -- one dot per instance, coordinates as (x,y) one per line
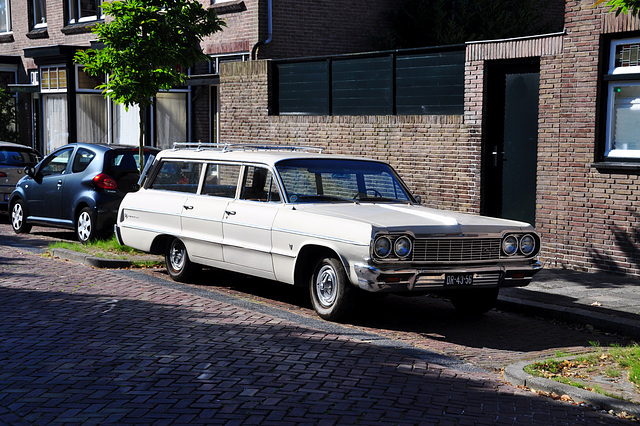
(511,141)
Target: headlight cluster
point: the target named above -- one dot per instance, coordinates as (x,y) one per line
(392,246)
(524,244)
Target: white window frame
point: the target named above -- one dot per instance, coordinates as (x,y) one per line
(33,5)
(57,68)
(610,151)
(7,7)
(76,19)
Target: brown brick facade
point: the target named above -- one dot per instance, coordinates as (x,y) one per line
(589,218)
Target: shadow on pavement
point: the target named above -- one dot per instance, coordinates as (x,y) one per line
(85,345)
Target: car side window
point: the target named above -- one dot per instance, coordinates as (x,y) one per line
(221,180)
(82,160)
(56,163)
(258,185)
(179,176)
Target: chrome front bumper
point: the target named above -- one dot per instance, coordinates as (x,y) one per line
(374,279)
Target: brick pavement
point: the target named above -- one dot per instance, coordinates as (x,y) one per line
(79,345)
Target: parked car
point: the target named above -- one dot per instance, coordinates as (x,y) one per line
(13,159)
(337,224)
(78,186)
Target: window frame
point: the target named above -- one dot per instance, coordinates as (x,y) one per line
(612,77)
(33,7)
(8,23)
(74,10)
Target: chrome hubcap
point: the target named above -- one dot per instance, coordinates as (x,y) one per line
(17,216)
(176,256)
(84,226)
(326,286)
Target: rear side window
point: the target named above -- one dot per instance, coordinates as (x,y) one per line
(83,158)
(179,176)
(17,157)
(221,180)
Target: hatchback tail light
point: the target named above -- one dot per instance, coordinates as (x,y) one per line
(3,174)
(104,181)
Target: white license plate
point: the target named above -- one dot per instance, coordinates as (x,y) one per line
(458,279)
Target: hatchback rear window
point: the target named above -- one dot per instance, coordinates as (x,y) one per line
(17,157)
(123,160)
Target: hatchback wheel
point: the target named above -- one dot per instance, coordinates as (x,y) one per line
(18,218)
(85,226)
(179,267)
(330,290)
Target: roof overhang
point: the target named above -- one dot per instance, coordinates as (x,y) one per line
(202,80)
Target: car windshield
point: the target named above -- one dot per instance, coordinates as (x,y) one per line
(330,180)
(17,157)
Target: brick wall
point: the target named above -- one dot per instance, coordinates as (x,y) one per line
(589,219)
(592,216)
(299,27)
(432,153)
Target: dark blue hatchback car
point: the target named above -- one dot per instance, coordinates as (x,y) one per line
(78,186)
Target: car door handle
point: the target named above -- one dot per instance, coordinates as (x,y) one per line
(59,183)
(230,212)
(188,207)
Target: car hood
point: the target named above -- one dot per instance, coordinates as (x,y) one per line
(414,218)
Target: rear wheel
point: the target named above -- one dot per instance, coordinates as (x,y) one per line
(331,292)
(18,218)
(475,301)
(85,226)
(179,267)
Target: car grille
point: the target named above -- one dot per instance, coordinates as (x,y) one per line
(456,249)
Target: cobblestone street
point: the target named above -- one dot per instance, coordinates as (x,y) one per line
(96,346)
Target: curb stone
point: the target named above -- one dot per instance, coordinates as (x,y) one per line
(516,375)
(87,259)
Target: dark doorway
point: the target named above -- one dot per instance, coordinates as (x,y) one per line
(510,142)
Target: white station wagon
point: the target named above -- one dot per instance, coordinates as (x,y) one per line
(340,225)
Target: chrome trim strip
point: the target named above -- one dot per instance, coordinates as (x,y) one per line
(320,237)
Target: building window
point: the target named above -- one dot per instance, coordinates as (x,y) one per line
(84,10)
(5,16)
(91,109)
(53,85)
(53,79)
(623,100)
(38,14)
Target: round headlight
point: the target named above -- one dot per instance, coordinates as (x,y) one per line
(510,245)
(527,244)
(382,247)
(402,247)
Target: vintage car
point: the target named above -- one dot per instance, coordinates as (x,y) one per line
(340,225)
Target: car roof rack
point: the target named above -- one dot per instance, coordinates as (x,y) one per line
(226,147)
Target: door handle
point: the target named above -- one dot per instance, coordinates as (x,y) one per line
(59,183)
(230,212)
(495,155)
(188,207)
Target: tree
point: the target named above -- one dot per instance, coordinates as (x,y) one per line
(419,23)
(622,6)
(147,45)
(8,117)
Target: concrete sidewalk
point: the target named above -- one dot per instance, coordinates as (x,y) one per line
(607,302)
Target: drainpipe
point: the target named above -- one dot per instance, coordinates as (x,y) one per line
(254,51)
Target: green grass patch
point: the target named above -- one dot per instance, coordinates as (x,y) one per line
(107,249)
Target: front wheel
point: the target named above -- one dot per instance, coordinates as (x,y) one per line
(179,267)
(474,301)
(85,226)
(330,290)
(18,218)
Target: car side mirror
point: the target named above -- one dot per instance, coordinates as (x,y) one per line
(418,199)
(30,171)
